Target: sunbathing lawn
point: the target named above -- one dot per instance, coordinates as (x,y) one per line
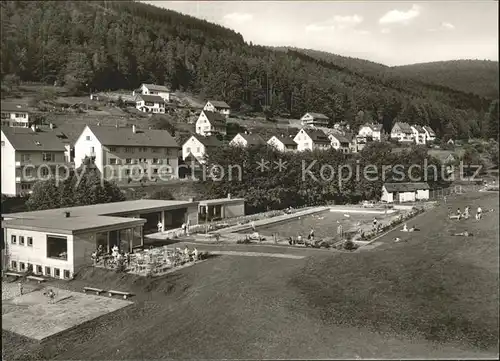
(433,296)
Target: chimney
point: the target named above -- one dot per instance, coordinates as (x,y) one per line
(229,196)
(51,125)
(134,130)
(67,214)
(33,127)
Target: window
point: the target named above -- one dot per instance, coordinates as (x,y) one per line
(155,150)
(25,157)
(112,149)
(13,239)
(66,274)
(39,270)
(48,157)
(45,172)
(29,172)
(112,160)
(198,150)
(22,266)
(129,150)
(167,161)
(128,161)
(188,149)
(3,143)
(30,241)
(92,150)
(127,171)
(57,247)
(13,265)
(21,240)
(47,271)
(155,161)
(26,187)
(87,137)
(57,272)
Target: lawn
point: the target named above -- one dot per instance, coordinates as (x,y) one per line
(434,296)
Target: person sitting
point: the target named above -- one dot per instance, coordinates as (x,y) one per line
(397,239)
(405,228)
(463,234)
(479,213)
(299,239)
(291,241)
(194,254)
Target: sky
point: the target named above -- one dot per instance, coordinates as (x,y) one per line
(387,32)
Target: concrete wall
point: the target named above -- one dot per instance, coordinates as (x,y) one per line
(407,197)
(37,254)
(192,214)
(236,209)
(8,167)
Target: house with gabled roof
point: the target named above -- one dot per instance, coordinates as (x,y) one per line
(311,139)
(129,153)
(153,89)
(402,132)
(419,134)
(282,143)
(28,155)
(340,142)
(430,135)
(247,140)
(210,123)
(405,192)
(198,146)
(315,119)
(371,131)
(14,115)
(218,106)
(150,104)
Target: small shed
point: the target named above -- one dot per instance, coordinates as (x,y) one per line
(404,192)
(221,208)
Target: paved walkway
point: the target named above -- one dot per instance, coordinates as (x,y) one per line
(257,254)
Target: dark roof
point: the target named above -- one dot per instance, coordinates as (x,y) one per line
(215,118)
(341,138)
(405,187)
(285,140)
(374,127)
(253,139)
(26,139)
(69,132)
(219,104)
(126,137)
(158,88)
(151,98)
(317,136)
(418,128)
(318,116)
(429,129)
(10,107)
(405,127)
(210,141)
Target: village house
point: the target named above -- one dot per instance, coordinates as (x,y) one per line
(28,155)
(246,140)
(340,142)
(429,134)
(14,115)
(129,153)
(153,89)
(402,132)
(210,123)
(404,192)
(447,159)
(150,104)
(59,242)
(371,132)
(282,143)
(315,119)
(311,139)
(418,134)
(218,106)
(198,146)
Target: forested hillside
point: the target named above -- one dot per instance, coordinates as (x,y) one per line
(109,45)
(471,76)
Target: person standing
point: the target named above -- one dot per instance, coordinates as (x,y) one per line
(160,226)
(20,285)
(479,213)
(311,234)
(184,227)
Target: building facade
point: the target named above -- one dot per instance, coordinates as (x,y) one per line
(404,192)
(150,104)
(210,123)
(14,115)
(283,144)
(315,119)
(199,146)
(371,131)
(311,139)
(153,89)
(402,132)
(246,140)
(218,106)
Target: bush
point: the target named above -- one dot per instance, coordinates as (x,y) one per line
(349,245)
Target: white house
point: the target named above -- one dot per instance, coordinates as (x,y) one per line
(14,115)
(340,142)
(218,106)
(198,146)
(418,134)
(246,140)
(429,133)
(150,104)
(283,144)
(371,131)
(124,154)
(153,89)
(311,139)
(315,119)
(28,155)
(402,132)
(404,192)
(210,123)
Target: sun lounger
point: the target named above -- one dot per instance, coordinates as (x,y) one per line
(35,278)
(98,291)
(125,295)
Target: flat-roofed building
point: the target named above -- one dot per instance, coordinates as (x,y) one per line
(214,209)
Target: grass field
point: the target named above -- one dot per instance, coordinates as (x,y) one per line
(433,296)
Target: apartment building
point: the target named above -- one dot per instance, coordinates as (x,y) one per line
(128,153)
(29,155)
(14,115)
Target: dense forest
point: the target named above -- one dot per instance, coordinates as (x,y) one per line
(101,45)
